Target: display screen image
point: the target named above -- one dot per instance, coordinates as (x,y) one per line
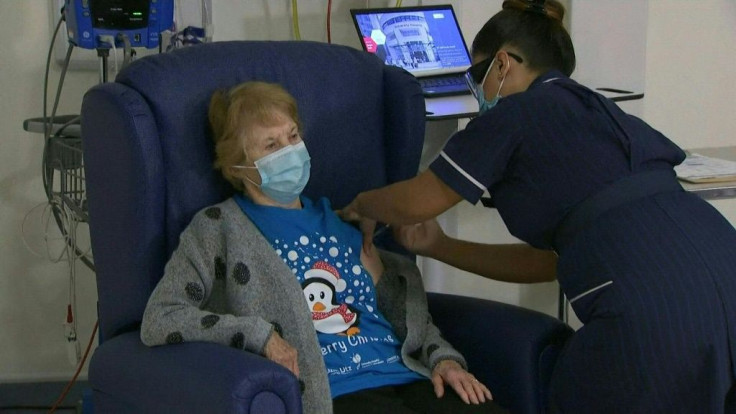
(416,39)
(119,14)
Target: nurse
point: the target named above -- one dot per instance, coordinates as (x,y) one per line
(648,268)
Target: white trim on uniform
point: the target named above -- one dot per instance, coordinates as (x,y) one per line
(589,291)
(463,172)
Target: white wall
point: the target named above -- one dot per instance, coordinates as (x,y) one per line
(602,44)
(690,71)
(689,96)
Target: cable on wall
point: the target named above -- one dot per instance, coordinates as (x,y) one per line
(55,157)
(48,123)
(329,12)
(47,171)
(295,20)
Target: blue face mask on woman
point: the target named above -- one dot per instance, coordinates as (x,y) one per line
(477,89)
(284,173)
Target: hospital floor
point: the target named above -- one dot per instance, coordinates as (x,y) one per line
(39,397)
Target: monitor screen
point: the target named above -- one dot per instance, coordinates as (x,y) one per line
(119,14)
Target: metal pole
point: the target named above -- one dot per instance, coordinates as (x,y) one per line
(103,54)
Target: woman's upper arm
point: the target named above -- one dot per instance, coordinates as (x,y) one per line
(372,263)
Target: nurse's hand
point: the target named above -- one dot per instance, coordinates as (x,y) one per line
(467,387)
(367,226)
(422,239)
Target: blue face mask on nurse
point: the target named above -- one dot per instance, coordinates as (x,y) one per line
(477,75)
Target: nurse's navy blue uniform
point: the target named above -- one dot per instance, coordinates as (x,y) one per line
(652,276)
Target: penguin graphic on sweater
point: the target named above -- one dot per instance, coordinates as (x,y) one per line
(321,285)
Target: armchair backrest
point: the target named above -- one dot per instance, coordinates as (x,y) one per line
(148,151)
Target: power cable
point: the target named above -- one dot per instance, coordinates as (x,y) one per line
(47,168)
(295,20)
(329,30)
(76,374)
(47,123)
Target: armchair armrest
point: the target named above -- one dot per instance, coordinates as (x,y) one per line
(194,377)
(511,349)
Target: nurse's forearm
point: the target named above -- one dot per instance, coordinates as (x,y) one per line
(516,263)
(408,202)
(389,205)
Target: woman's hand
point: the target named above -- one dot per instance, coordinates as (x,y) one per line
(282,353)
(470,390)
(422,239)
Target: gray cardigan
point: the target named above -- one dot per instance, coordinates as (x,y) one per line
(226,284)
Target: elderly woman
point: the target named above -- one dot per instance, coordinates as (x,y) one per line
(271,272)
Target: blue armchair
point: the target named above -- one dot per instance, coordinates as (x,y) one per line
(148,160)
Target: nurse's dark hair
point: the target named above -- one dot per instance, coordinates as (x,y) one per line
(534,28)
